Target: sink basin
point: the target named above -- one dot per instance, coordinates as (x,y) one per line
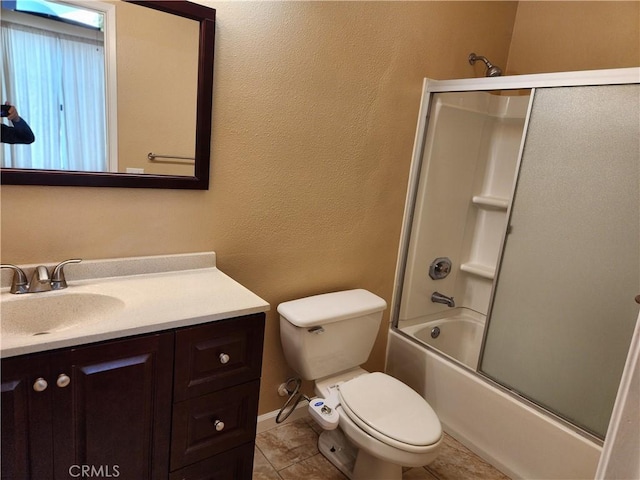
(43,313)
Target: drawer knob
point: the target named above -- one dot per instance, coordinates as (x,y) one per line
(224,358)
(219,425)
(63,380)
(40,385)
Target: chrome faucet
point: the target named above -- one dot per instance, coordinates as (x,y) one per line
(437,297)
(40,279)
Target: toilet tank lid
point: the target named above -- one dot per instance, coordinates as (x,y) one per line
(331,307)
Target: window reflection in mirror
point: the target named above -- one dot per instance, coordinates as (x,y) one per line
(55,78)
(94,110)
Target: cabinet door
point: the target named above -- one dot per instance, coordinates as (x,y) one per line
(27,448)
(115,413)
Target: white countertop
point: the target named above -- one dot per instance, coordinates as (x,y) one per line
(147,302)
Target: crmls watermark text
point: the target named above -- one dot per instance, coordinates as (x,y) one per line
(94,471)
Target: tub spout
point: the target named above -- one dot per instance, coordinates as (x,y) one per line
(437,297)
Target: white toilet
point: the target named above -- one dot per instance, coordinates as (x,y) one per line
(326,338)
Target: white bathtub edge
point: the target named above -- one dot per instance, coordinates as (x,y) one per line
(514,437)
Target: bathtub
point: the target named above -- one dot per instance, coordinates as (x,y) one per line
(458,336)
(512,435)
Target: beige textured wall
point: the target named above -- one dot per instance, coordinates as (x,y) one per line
(552,36)
(315,107)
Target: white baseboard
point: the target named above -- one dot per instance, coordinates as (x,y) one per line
(268,420)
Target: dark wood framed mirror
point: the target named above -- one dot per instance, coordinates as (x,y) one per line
(199,179)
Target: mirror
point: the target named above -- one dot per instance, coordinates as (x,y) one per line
(158,128)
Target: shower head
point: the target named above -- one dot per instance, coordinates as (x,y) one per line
(492,70)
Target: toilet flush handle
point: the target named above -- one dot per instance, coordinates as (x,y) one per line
(317,330)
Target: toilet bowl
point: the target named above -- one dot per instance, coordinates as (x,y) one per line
(325,338)
(387,421)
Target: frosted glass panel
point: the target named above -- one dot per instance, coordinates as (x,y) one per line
(563,310)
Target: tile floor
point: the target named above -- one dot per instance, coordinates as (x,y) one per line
(290,452)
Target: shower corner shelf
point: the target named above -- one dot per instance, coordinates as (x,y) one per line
(488,201)
(479,270)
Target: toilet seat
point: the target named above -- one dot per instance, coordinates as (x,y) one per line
(391,412)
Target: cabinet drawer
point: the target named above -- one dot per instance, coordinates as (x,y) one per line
(195,436)
(218,355)
(235,464)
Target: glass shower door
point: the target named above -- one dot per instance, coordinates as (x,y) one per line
(563,308)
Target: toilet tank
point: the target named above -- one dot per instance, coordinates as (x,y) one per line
(329,333)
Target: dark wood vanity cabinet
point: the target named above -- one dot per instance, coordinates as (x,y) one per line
(216,389)
(106,406)
(180,404)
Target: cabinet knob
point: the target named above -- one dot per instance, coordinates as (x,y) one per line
(224,358)
(219,425)
(40,385)
(63,380)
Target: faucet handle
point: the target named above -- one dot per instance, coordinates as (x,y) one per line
(58,282)
(19,283)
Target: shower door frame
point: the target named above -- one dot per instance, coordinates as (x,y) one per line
(621,76)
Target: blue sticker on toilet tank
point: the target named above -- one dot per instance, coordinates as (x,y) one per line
(317,404)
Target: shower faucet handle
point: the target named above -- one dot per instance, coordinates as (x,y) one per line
(440,268)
